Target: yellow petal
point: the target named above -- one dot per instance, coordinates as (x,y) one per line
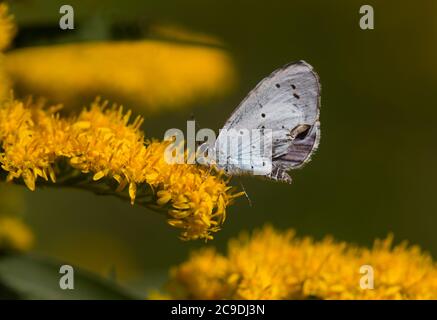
(82,125)
(29,180)
(99,175)
(132,192)
(52,174)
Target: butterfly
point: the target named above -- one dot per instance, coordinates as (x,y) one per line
(275,129)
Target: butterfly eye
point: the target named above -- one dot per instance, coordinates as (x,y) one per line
(300,132)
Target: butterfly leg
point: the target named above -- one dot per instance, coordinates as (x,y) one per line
(279,174)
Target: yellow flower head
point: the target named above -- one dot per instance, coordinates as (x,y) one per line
(28,134)
(204,276)
(14,235)
(277,265)
(153,74)
(107,148)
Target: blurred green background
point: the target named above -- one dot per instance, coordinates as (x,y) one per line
(373,174)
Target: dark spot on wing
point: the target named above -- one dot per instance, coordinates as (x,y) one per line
(296,95)
(293,86)
(278,85)
(263,115)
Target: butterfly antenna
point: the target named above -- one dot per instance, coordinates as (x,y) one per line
(245,193)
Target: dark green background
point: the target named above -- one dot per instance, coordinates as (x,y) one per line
(373,174)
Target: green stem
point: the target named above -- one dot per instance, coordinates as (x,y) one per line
(74,179)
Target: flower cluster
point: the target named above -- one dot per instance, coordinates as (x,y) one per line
(150,74)
(277,265)
(103,146)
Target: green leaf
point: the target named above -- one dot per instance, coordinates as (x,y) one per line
(31,277)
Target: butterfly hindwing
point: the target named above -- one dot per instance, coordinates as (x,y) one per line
(285,104)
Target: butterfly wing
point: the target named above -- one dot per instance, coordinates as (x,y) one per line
(286,103)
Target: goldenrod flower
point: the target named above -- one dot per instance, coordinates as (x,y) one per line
(277,265)
(14,235)
(102,150)
(155,74)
